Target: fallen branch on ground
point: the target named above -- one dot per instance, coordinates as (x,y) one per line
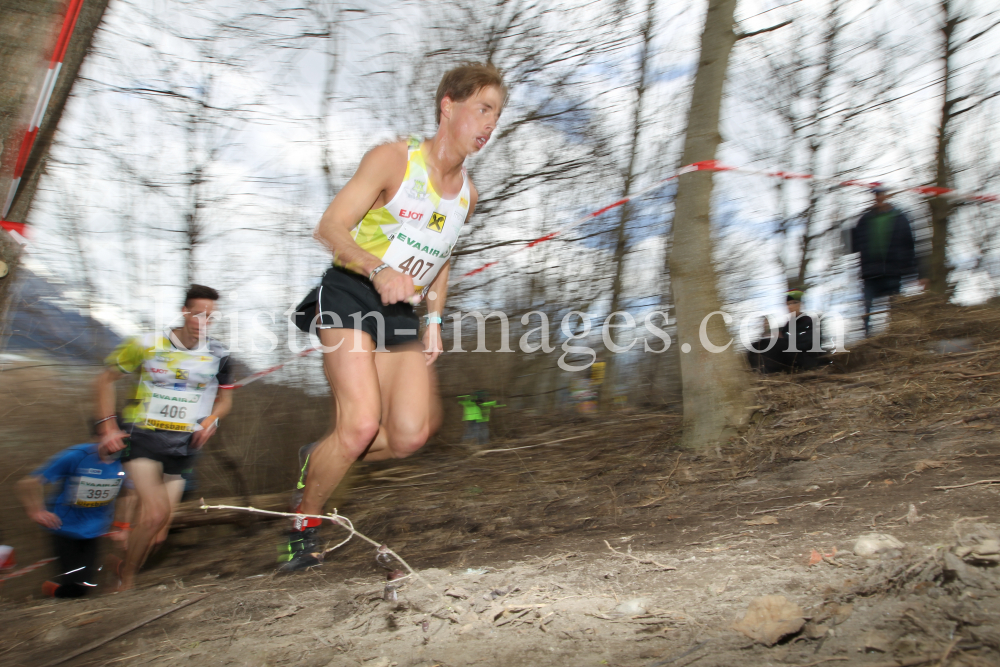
(962,486)
(118,633)
(971,417)
(511,449)
(818,504)
(644,561)
(344,523)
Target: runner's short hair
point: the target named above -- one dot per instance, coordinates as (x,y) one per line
(466,80)
(199,292)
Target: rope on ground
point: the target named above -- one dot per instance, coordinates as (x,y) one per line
(344,523)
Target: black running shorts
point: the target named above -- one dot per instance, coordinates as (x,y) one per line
(345,300)
(140,447)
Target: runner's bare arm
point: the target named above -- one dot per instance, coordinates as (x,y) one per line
(223,404)
(111,436)
(437,294)
(31,492)
(374,183)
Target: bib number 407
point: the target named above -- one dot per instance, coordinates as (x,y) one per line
(418,269)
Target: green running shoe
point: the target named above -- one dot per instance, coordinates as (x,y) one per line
(301,551)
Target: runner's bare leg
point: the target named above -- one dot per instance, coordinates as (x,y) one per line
(175,491)
(152,513)
(354,384)
(411,407)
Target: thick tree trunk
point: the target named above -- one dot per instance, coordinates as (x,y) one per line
(714,385)
(24,57)
(940,208)
(28,32)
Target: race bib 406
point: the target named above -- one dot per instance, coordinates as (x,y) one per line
(172,410)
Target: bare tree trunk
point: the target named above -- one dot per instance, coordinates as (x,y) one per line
(20,47)
(26,44)
(332,52)
(940,208)
(621,239)
(833,28)
(714,386)
(195,182)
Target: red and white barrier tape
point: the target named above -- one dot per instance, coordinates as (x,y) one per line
(715,165)
(465,276)
(705,165)
(25,570)
(48,85)
(267,371)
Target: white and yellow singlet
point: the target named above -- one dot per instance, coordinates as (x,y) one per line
(416,231)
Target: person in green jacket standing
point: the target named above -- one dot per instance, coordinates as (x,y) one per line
(471,415)
(484,417)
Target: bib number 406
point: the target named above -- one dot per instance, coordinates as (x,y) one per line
(173,412)
(415,268)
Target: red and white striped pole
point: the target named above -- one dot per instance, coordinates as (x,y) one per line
(51,75)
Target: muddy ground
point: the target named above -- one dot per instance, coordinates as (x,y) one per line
(598,542)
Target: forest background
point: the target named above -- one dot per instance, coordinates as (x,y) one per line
(202,141)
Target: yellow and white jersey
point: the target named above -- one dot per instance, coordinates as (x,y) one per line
(416,231)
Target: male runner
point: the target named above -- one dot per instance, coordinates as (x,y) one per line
(89,478)
(391,230)
(181,395)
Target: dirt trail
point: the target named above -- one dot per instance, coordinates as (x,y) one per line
(609,547)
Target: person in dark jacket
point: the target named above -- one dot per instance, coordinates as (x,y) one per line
(799,338)
(794,346)
(884,239)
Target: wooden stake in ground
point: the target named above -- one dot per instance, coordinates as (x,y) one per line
(123,631)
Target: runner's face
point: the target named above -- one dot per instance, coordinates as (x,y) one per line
(197,316)
(473,120)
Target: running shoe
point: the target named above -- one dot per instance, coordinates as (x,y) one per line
(49,589)
(301,551)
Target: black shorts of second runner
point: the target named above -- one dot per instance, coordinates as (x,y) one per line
(345,300)
(139,448)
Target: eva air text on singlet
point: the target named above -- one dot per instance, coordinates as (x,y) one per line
(416,231)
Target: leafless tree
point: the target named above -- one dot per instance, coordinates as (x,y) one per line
(958,31)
